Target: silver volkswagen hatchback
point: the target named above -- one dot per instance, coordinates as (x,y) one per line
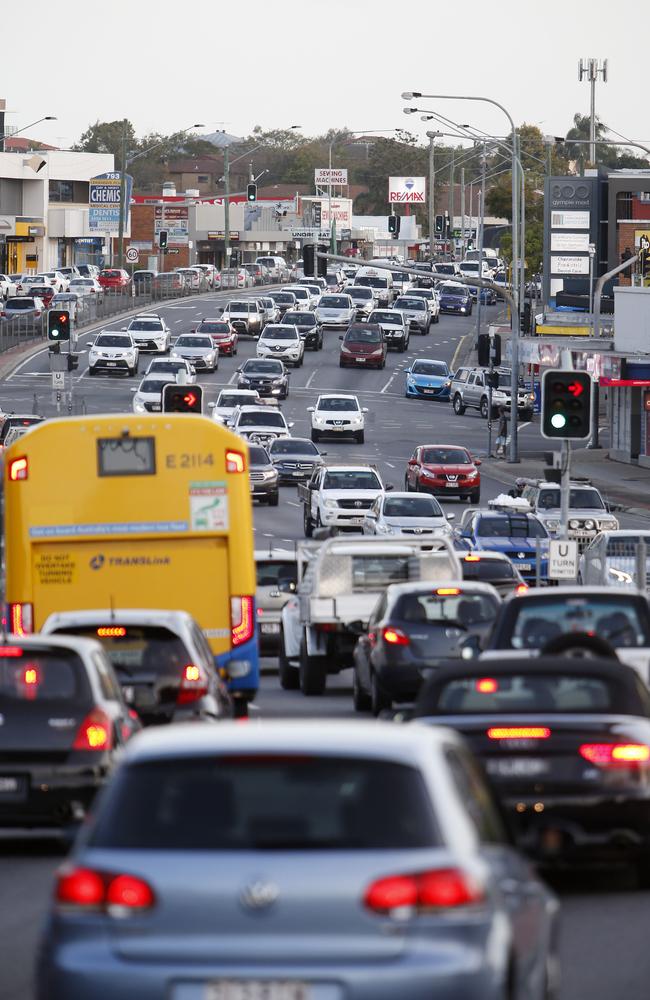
(287,861)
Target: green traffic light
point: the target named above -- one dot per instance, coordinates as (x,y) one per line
(558,420)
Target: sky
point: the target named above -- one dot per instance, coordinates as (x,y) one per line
(324,64)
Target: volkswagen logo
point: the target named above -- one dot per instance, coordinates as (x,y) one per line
(259,895)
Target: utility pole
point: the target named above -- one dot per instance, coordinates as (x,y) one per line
(451,208)
(121,224)
(226,206)
(462,211)
(432,181)
(591,69)
(480,252)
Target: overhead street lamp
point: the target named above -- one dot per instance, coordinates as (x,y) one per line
(23,128)
(126,160)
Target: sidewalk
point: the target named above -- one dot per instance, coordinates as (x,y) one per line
(620,483)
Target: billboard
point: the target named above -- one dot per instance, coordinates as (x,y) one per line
(104,202)
(326,175)
(175,221)
(407,190)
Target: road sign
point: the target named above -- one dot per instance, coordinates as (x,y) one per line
(562,559)
(310,234)
(58,380)
(132,255)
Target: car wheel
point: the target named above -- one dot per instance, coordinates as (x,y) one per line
(360,698)
(91,371)
(288,674)
(379,700)
(484,408)
(475,496)
(308,525)
(359,437)
(312,671)
(274,499)
(341,365)
(407,485)
(315,436)
(436,318)
(459,408)
(527,415)
(403,347)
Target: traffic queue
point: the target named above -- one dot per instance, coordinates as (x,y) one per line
(508,718)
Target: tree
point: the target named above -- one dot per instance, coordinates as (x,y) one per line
(107,137)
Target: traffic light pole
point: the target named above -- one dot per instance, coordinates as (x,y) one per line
(565,481)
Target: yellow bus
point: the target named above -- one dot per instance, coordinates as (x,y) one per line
(129,511)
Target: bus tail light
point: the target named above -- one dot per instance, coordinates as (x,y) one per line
(19,468)
(235,461)
(95,732)
(242,620)
(21,618)
(194,685)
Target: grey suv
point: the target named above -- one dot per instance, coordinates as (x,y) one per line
(469,387)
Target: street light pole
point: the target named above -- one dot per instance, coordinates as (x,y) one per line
(226,206)
(432,181)
(121,223)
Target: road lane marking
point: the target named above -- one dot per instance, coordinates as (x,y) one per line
(311,378)
(387,385)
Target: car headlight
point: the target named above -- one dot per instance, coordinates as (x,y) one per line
(619,576)
(330,503)
(611,524)
(589,524)
(138,406)
(552,525)
(472,475)
(574,524)
(243,380)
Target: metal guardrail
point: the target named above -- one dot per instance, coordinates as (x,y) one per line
(622,562)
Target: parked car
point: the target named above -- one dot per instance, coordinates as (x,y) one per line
(7,286)
(169,283)
(113,279)
(413,628)
(258,273)
(263,476)
(87,286)
(144,281)
(378,849)
(196,279)
(74,303)
(444,470)
(74,271)
(86,271)
(363,344)
(43,292)
(58,280)
(277,267)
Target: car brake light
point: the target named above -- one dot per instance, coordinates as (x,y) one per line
(242,619)
(521,588)
(472,558)
(10,651)
(95,732)
(84,887)
(395,637)
(448,591)
(611,754)
(519,733)
(438,889)
(194,685)
(19,468)
(21,618)
(111,632)
(235,461)
(487,685)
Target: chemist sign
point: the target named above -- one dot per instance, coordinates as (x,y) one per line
(104,203)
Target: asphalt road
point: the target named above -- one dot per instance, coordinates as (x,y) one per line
(604,948)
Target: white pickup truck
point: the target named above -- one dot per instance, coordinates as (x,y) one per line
(338,496)
(339,584)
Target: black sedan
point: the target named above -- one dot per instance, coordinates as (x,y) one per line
(412,628)
(309,328)
(566,742)
(294,458)
(267,376)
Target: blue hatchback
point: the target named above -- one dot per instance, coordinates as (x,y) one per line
(455,298)
(428,379)
(516,535)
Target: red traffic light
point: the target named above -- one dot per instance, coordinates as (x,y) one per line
(190,400)
(576,389)
(180,399)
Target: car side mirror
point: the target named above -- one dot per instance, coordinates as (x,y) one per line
(388,487)
(310,409)
(413,461)
(364,409)
(291,424)
(451,517)
(477,461)
(357,627)
(134,389)
(470,648)
(340,336)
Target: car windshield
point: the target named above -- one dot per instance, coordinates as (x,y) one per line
(510,526)
(578,498)
(480,568)
(301,293)
(278,333)
(145,324)
(203,342)
(258,455)
(412,507)
(109,274)
(152,385)
(369,282)
(300,318)
(272,573)
(429,368)
(446,609)
(167,366)
(358,292)
(266,802)
(446,268)
(283,297)
(82,283)
(470,266)
(212,328)
(351,479)
(334,302)
(387,316)
(291,446)
(240,307)
(445,456)
(413,304)
(334,403)
(619,620)
(456,290)
(112,340)
(150,649)
(263,368)
(269,418)
(531,692)
(362,335)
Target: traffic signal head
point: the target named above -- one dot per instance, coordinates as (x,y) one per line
(309,260)
(644,260)
(393,224)
(58,325)
(321,263)
(566,405)
(162,239)
(440,225)
(182,398)
(251,192)
(489,345)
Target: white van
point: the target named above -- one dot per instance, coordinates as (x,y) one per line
(381,283)
(277,267)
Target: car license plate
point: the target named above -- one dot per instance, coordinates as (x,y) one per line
(298,475)
(451,486)
(356,520)
(525,566)
(111,364)
(361,361)
(428,392)
(270,629)
(517,767)
(13,788)
(230,989)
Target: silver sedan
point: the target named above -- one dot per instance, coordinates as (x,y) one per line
(336,311)
(198,350)
(344,861)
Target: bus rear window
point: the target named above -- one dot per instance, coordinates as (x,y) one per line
(126,456)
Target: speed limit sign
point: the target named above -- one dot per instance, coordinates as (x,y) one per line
(132,255)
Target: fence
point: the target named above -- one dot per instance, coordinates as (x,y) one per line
(618,562)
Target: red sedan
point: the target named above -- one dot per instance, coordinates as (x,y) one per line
(114,279)
(224,336)
(444,470)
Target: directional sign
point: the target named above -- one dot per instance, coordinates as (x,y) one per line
(58,380)
(132,255)
(562,559)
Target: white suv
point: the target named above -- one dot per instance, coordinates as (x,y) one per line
(113,352)
(337,415)
(282,341)
(150,332)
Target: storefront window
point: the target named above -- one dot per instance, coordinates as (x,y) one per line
(61,191)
